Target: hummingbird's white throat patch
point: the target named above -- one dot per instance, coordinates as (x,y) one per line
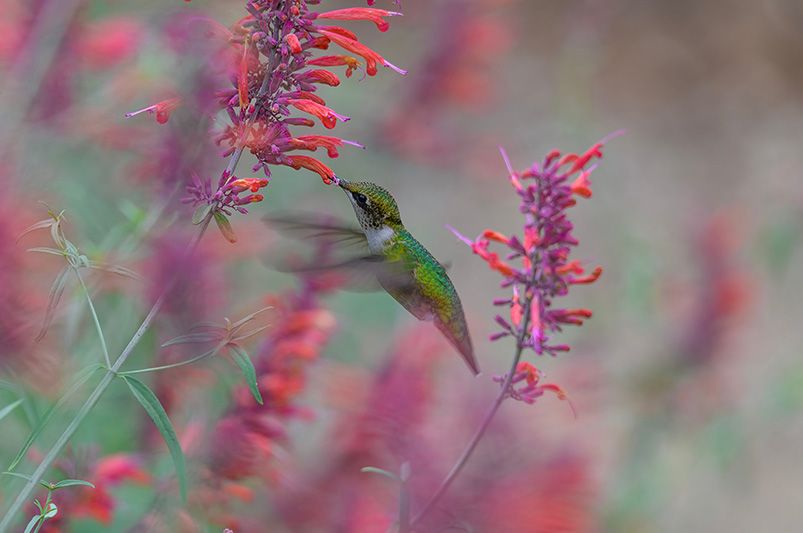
(378,238)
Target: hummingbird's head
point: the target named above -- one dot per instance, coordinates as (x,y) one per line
(374,206)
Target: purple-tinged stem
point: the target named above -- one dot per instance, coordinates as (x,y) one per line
(483,427)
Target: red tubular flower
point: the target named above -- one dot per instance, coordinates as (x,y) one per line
(320,76)
(581,186)
(313,142)
(252,184)
(354,46)
(293,43)
(335,61)
(326,115)
(310,163)
(361,13)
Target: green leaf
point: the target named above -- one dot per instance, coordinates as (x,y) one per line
(56,290)
(32,523)
(201,213)
(16,474)
(72,483)
(45,250)
(247,368)
(153,407)
(115,269)
(248,318)
(82,378)
(8,408)
(194,338)
(52,511)
(42,224)
(225,227)
(174,365)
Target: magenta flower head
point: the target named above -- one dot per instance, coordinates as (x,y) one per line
(544,271)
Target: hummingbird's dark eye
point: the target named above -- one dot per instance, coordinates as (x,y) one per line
(360,198)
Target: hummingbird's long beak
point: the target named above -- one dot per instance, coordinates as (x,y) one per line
(341,182)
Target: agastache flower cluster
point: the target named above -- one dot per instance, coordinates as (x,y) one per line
(273,75)
(545,271)
(276,76)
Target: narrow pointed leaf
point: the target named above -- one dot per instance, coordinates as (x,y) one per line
(32,523)
(52,511)
(16,474)
(42,224)
(201,213)
(115,269)
(56,291)
(250,333)
(55,234)
(380,471)
(45,250)
(247,368)
(153,407)
(174,365)
(247,318)
(8,408)
(72,483)
(190,338)
(225,227)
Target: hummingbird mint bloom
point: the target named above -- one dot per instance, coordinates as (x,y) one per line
(276,44)
(537,266)
(274,78)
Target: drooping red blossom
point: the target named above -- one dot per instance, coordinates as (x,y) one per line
(351,62)
(361,13)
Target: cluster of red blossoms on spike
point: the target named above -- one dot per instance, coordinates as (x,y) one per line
(276,76)
(231,193)
(537,266)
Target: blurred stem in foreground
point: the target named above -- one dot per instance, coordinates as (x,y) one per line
(93,398)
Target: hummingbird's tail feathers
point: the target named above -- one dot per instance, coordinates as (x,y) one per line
(462,342)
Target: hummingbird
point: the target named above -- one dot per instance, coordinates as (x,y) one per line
(403,267)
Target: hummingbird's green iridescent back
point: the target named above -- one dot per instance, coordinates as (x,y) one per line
(421,285)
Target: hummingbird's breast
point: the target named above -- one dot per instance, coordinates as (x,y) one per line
(378,238)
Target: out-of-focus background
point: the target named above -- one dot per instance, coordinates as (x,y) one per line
(688,381)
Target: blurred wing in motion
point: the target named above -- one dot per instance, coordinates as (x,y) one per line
(325,230)
(340,251)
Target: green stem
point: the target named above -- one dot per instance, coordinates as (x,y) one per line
(174,365)
(93,398)
(95,319)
